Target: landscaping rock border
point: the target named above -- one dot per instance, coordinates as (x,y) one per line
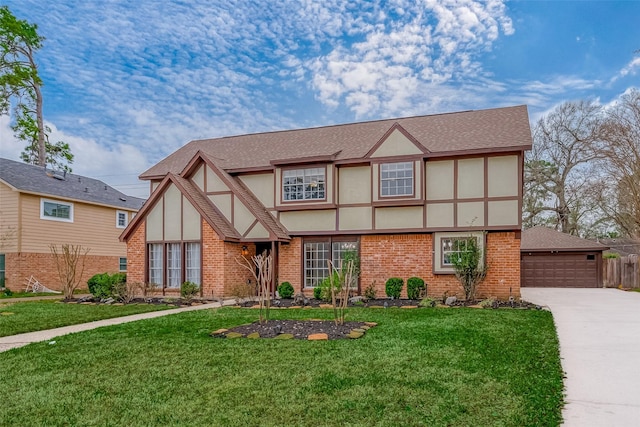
(311,330)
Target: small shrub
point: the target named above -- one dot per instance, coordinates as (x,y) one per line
(148,289)
(242,291)
(285,290)
(7,292)
(393,287)
(488,303)
(610,255)
(125,292)
(101,285)
(415,287)
(370,291)
(427,302)
(325,287)
(317,292)
(189,290)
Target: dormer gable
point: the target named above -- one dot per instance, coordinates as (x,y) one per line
(397,141)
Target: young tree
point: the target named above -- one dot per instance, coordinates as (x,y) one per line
(69,259)
(21,85)
(261,267)
(469,265)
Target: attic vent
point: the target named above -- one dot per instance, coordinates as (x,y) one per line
(123,199)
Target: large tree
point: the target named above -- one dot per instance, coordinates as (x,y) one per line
(562,167)
(620,193)
(20,87)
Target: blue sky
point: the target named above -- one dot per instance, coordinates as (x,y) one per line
(127,83)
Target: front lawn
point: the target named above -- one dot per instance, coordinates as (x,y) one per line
(434,367)
(21,317)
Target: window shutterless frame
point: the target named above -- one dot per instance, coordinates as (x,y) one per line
(304,184)
(396,179)
(55,210)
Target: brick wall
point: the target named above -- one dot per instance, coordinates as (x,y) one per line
(136,251)
(407,255)
(290,263)
(234,274)
(213,257)
(42,266)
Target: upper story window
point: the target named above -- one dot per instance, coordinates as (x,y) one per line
(396,179)
(56,211)
(303,184)
(121,219)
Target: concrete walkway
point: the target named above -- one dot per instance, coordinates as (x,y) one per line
(599,333)
(15,341)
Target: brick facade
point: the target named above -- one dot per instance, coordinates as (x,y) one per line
(381,257)
(42,266)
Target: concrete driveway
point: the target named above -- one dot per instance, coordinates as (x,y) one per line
(599,333)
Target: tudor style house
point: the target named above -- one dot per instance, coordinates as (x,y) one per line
(40,207)
(397,191)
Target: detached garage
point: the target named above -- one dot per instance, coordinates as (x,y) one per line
(552,259)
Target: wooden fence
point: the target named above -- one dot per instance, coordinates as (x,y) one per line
(623,271)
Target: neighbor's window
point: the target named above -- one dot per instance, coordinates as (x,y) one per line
(396,179)
(303,184)
(121,219)
(123,263)
(56,211)
(316,255)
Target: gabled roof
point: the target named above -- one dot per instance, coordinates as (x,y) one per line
(33,179)
(276,230)
(543,239)
(493,130)
(209,213)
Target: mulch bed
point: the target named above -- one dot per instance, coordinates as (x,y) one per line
(300,329)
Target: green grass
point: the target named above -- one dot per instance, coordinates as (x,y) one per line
(30,316)
(39,294)
(433,367)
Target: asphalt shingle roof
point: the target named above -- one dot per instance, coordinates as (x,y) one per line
(543,239)
(36,179)
(441,134)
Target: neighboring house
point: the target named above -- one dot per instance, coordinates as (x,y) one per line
(39,208)
(550,258)
(397,191)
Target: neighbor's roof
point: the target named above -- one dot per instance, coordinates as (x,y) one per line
(543,239)
(494,130)
(38,180)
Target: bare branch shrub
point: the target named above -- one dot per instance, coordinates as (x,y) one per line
(125,292)
(68,259)
(260,267)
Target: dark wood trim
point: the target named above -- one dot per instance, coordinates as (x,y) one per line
(250,171)
(478,151)
(218,193)
(485,190)
(387,134)
(325,206)
(397,203)
(455,193)
(293,162)
(354,205)
(253,224)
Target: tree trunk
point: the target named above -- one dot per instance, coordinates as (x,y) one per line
(42,154)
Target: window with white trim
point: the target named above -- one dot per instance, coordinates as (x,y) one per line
(449,245)
(396,179)
(192,261)
(166,266)
(121,219)
(303,184)
(316,254)
(56,211)
(155,263)
(174,265)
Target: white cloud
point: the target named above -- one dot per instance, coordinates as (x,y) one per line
(630,68)
(391,69)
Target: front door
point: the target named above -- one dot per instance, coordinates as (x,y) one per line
(266,246)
